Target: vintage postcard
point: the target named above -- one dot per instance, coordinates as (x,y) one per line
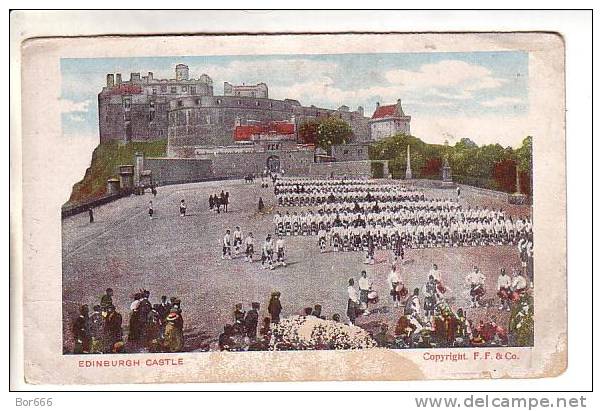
(293,208)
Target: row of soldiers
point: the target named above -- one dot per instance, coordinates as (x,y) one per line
(151,327)
(272,250)
(389,194)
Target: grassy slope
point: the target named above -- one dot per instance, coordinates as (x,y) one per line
(105,160)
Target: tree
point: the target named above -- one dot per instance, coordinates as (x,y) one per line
(333,131)
(308,131)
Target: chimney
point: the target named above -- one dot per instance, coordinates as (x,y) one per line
(118,78)
(150,76)
(134,77)
(399,102)
(377,104)
(360,110)
(110,80)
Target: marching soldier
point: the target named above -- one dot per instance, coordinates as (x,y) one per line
(476,281)
(226,246)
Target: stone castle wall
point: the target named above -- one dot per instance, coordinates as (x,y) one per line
(179,170)
(237,165)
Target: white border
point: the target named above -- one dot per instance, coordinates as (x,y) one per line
(576,29)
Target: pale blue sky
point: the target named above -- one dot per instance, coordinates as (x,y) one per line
(440,88)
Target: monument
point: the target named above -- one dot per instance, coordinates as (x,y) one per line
(408,166)
(446,175)
(518,197)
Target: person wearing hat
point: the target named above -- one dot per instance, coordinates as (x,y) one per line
(275,307)
(112,331)
(106,300)
(91,214)
(135,329)
(251,320)
(174,336)
(81,332)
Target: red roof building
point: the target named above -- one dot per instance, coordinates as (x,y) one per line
(387,121)
(273,130)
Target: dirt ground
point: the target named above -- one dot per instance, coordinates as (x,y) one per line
(181,256)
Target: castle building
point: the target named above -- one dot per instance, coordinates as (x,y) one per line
(259,90)
(387,121)
(186,112)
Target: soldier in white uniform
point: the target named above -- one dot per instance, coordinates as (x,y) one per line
(249,247)
(267,253)
(237,240)
(476,281)
(280,251)
(504,283)
(227,246)
(322,240)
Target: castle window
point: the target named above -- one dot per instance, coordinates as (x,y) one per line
(180,103)
(127,103)
(197,101)
(257,103)
(219,101)
(154,90)
(238,102)
(151,116)
(192,90)
(174,90)
(152,104)
(271,104)
(163,89)
(184,89)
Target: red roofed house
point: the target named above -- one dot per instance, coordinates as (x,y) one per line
(388,121)
(273,130)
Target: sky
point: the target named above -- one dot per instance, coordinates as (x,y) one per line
(479,95)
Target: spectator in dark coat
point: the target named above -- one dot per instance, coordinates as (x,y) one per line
(81,332)
(112,332)
(275,307)
(251,320)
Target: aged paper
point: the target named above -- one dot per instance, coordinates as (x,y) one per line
(400,195)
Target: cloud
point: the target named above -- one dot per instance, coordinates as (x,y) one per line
(503,101)
(70,106)
(445,74)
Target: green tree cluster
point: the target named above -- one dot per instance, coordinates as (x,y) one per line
(325,132)
(471,164)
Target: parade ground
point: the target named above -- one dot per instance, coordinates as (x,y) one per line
(181,256)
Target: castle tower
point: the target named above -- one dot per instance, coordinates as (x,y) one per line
(408,166)
(181,72)
(110,80)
